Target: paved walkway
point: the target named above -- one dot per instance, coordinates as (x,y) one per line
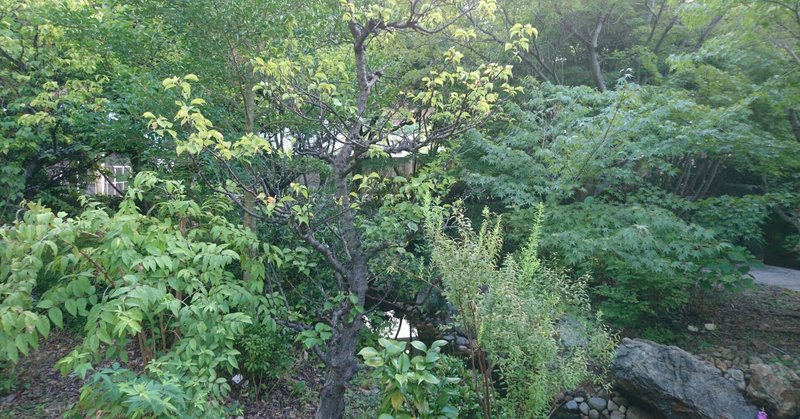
(778,277)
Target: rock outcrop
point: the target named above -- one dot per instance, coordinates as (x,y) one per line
(777,388)
(672,383)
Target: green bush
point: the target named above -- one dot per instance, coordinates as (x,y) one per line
(647,263)
(266,355)
(412,388)
(524,319)
(180,283)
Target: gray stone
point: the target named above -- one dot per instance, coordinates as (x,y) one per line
(584,408)
(623,409)
(777,388)
(580,399)
(737,376)
(620,401)
(572,332)
(598,403)
(571,405)
(672,383)
(637,413)
(617,415)
(594,414)
(462,341)
(612,406)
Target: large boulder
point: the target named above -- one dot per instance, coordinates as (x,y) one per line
(672,383)
(777,388)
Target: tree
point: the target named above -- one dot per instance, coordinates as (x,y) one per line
(52,107)
(355,107)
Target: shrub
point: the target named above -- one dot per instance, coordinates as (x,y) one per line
(523,318)
(412,388)
(266,354)
(180,281)
(647,262)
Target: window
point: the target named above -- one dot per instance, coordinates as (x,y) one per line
(112,181)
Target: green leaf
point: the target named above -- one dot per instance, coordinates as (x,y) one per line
(438,344)
(21,344)
(419,346)
(55,315)
(368,352)
(71,307)
(43,326)
(374,362)
(397,400)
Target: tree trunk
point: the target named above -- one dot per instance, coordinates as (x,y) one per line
(341,356)
(342,366)
(594,56)
(794,122)
(249,121)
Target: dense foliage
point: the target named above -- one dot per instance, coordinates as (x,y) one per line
(523,318)
(282,158)
(170,280)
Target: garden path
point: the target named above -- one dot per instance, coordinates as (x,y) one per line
(777,277)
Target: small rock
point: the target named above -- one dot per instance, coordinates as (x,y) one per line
(620,401)
(786,357)
(604,413)
(597,403)
(571,405)
(622,409)
(584,408)
(462,348)
(693,328)
(737,376)
(462,341)
(580,399)
(617,415)
(612,406)
(593,414)
(710,326)
(761,346)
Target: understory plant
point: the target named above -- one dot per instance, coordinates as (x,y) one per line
(179,281)
(525,320)
(412,386)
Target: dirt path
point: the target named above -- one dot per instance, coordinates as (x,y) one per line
(777,277)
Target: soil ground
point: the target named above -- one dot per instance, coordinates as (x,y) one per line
(763,321)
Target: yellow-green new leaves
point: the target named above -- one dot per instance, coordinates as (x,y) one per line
(461,94)
(520,38)
(201,132)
